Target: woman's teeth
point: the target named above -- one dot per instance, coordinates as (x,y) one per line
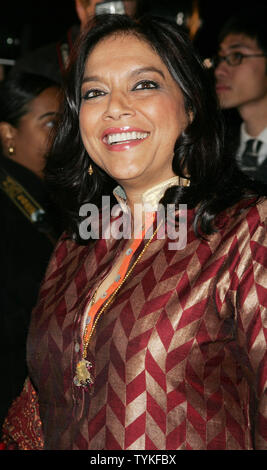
(125,136)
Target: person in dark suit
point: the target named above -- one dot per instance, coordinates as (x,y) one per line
(241,83)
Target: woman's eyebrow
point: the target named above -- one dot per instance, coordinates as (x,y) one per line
(92,78)
(138,71)
(50,113)
(148,69)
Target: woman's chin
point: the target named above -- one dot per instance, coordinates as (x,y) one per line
(122,174)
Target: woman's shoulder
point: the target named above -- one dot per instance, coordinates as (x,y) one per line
(254,211)
(66,252)
(262,210)
(248,215)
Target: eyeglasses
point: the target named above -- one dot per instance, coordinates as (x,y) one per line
(233,59)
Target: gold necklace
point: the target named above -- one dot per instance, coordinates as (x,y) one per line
(83,376)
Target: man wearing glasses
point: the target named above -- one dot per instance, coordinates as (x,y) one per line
(241,83)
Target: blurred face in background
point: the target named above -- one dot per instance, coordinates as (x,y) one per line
(130,7)
(86,9)
(244,85)
(30,139)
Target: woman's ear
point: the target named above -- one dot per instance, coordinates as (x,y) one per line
(8,138)
(191,116)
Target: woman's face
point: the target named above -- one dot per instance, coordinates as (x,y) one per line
(132,112)
(31,137)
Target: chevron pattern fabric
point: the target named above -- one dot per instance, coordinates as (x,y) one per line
(179,358)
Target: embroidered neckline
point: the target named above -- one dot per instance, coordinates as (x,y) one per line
(151,196)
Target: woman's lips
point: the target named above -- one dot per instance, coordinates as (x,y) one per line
(222,87)
(118,139)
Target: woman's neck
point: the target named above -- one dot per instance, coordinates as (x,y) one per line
(142,204)
(149,194)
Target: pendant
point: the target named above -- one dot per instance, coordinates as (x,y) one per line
(83,377)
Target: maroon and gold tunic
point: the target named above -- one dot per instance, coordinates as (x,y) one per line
(179,358)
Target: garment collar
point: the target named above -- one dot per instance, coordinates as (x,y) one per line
(150,197)
(244,136)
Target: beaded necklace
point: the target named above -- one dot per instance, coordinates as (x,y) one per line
(83,375)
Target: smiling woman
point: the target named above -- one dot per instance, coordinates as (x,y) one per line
(134,344)
(121,113)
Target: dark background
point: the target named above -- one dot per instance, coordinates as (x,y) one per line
(29,24)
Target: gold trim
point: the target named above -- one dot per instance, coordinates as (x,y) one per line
(105,306)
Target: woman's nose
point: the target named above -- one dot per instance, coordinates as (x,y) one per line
(118,106)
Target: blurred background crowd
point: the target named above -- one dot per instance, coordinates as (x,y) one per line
(27,25)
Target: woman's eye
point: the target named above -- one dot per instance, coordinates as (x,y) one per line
(90,94)
(146,85)
(50,123)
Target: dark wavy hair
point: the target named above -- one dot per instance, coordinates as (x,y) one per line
(216,183)
(17,93)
